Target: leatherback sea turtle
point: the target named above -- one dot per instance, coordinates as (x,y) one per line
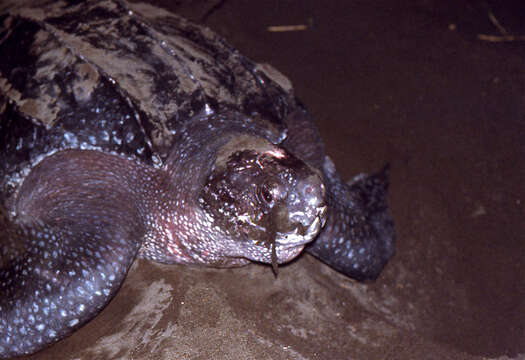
(128,131)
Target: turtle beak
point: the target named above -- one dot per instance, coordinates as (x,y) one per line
(307,212)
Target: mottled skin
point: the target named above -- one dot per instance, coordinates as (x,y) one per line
(128,134)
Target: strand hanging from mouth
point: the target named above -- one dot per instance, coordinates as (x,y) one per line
(269,243)
(274,259)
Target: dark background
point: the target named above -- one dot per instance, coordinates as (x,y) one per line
(405,82)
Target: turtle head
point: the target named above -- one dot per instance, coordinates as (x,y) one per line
(268,202)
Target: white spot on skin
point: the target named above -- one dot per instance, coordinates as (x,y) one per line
(71,139)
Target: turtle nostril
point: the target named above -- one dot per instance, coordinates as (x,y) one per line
(313,195)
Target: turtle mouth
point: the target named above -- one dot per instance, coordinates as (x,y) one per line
(287,246)
(300,221)
(301,234)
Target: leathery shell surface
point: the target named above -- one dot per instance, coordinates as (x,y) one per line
(79,94)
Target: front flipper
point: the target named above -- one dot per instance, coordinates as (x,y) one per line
(358,238)
(67,250)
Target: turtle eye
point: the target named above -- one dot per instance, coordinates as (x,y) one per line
(265,194)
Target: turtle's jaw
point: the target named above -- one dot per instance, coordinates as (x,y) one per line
(293,224)
(279,247)
(302,234)
(304,212)
(290,244)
